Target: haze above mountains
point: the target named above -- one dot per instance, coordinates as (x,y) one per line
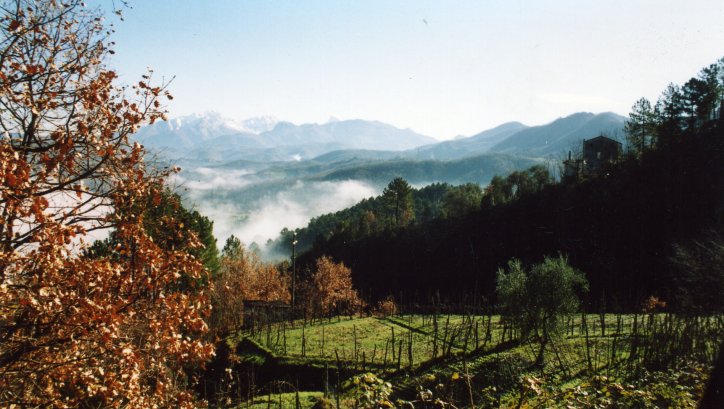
(257,176)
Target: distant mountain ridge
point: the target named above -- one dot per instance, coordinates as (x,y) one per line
(562,134)
(462,147)
(211,138)
(237,170)
(511,138)
(214,138)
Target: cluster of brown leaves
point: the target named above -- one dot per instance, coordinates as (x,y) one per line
(653,304)
(77,330)
(330,290)
(386,307)
(244,277)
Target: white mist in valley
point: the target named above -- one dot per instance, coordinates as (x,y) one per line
(216,193)
(208,179)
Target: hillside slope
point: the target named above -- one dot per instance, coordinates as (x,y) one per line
(562,135)
(620,230)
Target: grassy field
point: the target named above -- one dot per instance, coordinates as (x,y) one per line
(595,358)
(284,400)
(383,342)
(379,342)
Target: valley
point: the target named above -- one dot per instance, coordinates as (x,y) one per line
(284,175)
(546,257)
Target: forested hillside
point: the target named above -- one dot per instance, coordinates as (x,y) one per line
(635,228)
(620,229)
(376,215)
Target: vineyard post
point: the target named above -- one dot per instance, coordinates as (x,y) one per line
(339,386)
(444,337)
(384,360)
(393,343)
(409,348)
(434,335)
(278,338)
(564,367)
(468,330)
(339,364)
(468,383)
(284,329)
(271,394)
(354,337)
(634,338)
(584,324)
(612,361)
(602,315)
(268,334)
(399,356)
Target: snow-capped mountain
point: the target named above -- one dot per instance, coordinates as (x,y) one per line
(259,124)
(212,137)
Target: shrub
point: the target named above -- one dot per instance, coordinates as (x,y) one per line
(386,307)
(536,298)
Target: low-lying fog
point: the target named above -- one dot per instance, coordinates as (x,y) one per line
(217,193)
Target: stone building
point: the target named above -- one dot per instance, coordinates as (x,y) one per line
(598,152)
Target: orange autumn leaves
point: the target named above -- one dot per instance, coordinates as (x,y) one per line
(80,330)
(324,291)
(243,277)
(330,290)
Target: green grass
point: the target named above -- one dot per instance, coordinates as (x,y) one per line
(329,340)
(350,340)
(374,338)
(287,399)
(573,361)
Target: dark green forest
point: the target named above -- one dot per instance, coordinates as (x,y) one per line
(641,227)
(375,215)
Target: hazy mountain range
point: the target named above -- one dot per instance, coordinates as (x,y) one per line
(561,134)
(213,139)
(256,176)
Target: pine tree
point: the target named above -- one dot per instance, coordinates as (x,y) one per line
(640,128)
(398,198)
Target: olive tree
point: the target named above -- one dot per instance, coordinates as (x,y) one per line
(536,298)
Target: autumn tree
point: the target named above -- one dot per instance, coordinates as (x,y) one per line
(242,277)
(166,221)
(84,331)
(330,289)
(387,307)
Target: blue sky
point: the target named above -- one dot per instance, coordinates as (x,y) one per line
(442,68)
